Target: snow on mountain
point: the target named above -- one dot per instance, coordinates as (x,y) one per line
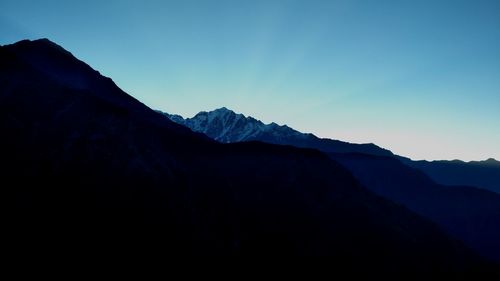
(226,126)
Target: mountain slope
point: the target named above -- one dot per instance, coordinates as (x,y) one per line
(86,167)
(467,213)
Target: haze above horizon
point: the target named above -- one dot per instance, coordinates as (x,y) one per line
(421,78)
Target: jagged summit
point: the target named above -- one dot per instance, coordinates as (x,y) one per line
(224,109)
(227,126)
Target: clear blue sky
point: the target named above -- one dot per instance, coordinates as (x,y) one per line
(419,77)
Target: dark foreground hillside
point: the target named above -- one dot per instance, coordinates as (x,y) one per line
(86,167)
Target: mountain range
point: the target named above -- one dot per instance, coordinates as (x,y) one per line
(226,126)
(467,213)
(484,174)
(86,168)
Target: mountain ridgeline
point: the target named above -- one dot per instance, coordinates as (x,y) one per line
(87,168)
(484,174)
(227,126)
(465,212)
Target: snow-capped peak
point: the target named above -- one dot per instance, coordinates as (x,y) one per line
(225,125)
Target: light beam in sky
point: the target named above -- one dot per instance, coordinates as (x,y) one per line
(421,78)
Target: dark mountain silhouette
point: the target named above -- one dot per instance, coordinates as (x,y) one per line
(85,167)
(484,174)
(467,213)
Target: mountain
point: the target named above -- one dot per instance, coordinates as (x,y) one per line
(86,168)
(226,126)
(484,174)
(467,213)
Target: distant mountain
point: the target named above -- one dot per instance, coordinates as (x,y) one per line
(88,169)
(467,213)
(484,174)
(226,126)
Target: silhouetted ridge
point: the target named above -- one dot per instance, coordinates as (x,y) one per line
(87,167)
(61,66)
(483,174)
(42,45)
(48,60)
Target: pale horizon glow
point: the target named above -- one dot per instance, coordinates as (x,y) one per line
(421,142)
(420,78)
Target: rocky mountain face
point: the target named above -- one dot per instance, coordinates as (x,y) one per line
(226,126)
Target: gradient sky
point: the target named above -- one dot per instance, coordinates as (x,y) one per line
(421,78)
